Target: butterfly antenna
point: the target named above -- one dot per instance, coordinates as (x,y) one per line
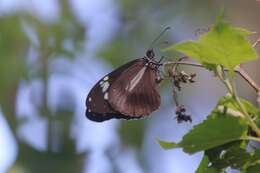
(158,37)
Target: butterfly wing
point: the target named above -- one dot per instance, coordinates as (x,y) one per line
(98,108)
(135,92)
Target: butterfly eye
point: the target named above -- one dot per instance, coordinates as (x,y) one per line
(150,54)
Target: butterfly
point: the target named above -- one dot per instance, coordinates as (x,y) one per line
(128,92)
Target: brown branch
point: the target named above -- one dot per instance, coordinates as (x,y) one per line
(238,70)
(247,78)
(256,43)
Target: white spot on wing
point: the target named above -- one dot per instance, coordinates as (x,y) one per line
(101,83)
(106,96)
(105,86)
(222,154)
(89,99)
(106,78)
(136,79)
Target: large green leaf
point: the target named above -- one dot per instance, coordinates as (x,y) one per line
(232,155)
(204,166)
(253,169)
(254,162)
(214,131)
(223,45)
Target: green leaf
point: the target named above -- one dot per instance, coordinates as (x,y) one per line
(244,32)
(220,128)
(255,155)
(232,155)
(167,145)
(253,169)
(229,103)
(203,167)
(214,131)
(254,162)
(222,45)
(210,67)
(203,164)
(235,155)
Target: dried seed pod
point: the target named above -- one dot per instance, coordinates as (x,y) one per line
(181,114)
(184,118)
(181,77)
(191,78)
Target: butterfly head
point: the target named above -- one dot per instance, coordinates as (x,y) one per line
(150,59)
(150,54)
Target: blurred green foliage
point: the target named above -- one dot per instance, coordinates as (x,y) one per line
(13,48)
(132,133)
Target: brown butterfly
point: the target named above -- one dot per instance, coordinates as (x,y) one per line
(129,92)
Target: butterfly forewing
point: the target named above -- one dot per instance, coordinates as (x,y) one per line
(98,108)
(134,92)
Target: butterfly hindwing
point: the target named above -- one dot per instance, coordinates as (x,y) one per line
(98,107)
(134,92)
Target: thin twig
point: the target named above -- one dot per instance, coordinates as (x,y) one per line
(251,138)
(183,63)
(258,99)
(247,78)
(174,93)
(256,43)
(238,70)
(175,97)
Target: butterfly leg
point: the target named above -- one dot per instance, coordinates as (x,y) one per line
(161,59)
(159,78)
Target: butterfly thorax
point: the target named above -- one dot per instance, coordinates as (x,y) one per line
(150,61)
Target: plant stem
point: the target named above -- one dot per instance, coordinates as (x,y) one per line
(244,111)
(258,98)
(247,116)
(252,138)
(256,42)
(230,84)
(247,78)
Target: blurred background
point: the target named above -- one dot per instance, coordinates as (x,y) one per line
(53,51)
